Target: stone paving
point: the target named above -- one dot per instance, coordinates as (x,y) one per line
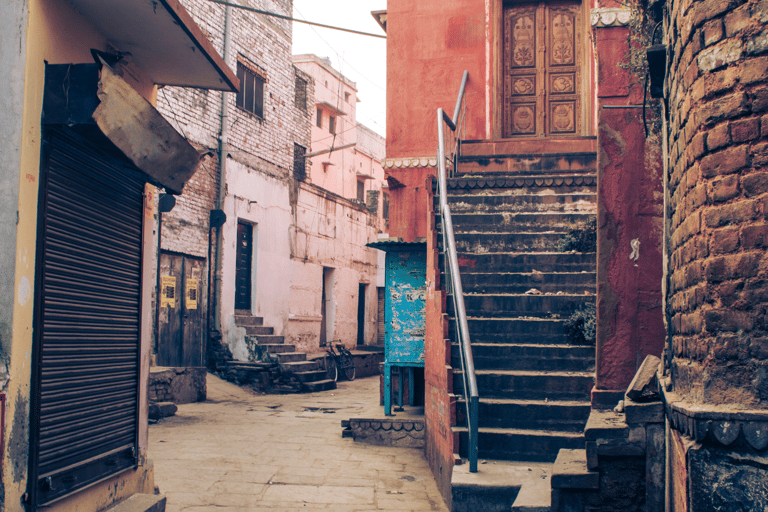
(240,451)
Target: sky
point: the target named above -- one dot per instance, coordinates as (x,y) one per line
(362,59)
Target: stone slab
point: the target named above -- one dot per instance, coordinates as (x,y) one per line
(638,412)
(606,424)
(495,486)
(140,503)
(645,385)
(534,496)
(571,472)
(158,411)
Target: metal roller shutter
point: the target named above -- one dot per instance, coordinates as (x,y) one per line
(88,312)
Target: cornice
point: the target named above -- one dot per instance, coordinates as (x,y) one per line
(409,162)
(610,17)
(721,424)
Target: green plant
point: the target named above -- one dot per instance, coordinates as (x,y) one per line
(580,326)
(582,238)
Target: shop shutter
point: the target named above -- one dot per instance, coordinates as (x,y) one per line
(85,421)
(381,323)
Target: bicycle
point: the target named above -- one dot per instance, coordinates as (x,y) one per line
(333,361)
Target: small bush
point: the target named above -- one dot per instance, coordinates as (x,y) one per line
(580,326)
(582,238)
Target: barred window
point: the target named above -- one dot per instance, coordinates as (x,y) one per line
(301,93)
(250,97)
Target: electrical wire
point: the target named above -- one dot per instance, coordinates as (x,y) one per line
(289,18)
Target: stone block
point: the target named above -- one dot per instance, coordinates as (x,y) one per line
(605,424)
(158,411)
(570,471)
(645,386)
(592,461)
(140,503)
(648,412)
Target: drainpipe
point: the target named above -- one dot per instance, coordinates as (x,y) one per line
(223,152)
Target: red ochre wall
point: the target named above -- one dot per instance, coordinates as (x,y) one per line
(630,206)
(429,45)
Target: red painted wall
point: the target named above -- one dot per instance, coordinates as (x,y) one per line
(630,206)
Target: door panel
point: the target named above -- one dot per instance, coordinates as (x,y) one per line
(244,269)
(542,70)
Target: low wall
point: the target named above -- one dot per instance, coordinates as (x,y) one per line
(177,385)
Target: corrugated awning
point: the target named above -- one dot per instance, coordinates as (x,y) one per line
(398,244)
(163,40)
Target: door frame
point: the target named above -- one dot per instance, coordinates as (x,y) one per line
(496,64)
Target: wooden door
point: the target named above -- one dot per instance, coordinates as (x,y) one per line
(243,270)
(181,311)
(543,62)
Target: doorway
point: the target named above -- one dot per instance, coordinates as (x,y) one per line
(361,313)
(543,70)
(327,310)
(180,315)
(244,266)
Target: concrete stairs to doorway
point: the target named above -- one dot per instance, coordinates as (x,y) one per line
(512,203)
(264,345)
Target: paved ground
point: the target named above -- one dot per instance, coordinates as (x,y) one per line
(244,452)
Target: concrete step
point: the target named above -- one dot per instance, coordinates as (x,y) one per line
(473,200)
(270,339)
(570,471)
(278,348)
(520,444)
(527,261)
(537,331)
(522,164)
(301,366)
(512,305)
(529,146)
(521,282)
(318,385)
(505,222)
(530,385)
(503,242)
(559,415)
(553,184)
(497,356)
(291,357)
(258,330)
(243,319)
(499,485)
(140,503)
(310,376)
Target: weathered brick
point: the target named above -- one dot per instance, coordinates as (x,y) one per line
(737,20)
(723,162)
(708,9)
(727,320)
(724,241)
(756,44)
(726,107)
(758,347)
(733,213)
(745,130)
(753,70)
(764,126)
(732,266)
(760,154)
(759,99)
(689,227)
(755,183)
(718,137)
(754,236)
(713,32)
(698,146)
(698,196)
(723,189)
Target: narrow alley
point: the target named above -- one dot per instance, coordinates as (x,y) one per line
(240,451)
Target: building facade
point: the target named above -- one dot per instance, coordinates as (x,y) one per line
(85,152)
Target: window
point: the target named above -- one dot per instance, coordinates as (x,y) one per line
(299,162)
(250,97)
(301,93)
(319,121)
(346,97)
(360,190)
(331,124)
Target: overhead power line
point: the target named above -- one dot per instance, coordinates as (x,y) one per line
(289,18)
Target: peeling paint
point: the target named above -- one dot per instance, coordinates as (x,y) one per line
(18,440)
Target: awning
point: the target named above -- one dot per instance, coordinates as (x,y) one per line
(331,108)
(163,40)
(397,244)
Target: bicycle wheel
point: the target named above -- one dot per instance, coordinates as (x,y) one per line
(329,365)
(348,366)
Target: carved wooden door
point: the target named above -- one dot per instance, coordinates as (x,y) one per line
(542,69)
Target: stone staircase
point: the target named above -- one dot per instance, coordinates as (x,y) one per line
(511,203)
(264,345)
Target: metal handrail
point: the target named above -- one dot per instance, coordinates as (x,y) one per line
(452,270)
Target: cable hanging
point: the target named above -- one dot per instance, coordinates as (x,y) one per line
(289,18)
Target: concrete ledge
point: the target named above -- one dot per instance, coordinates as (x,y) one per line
(140,503)
(496,485)
(571,472)
(535,496)
(405,433)
(177,385)
(606,425)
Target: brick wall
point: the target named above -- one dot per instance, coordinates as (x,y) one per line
(718,187)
